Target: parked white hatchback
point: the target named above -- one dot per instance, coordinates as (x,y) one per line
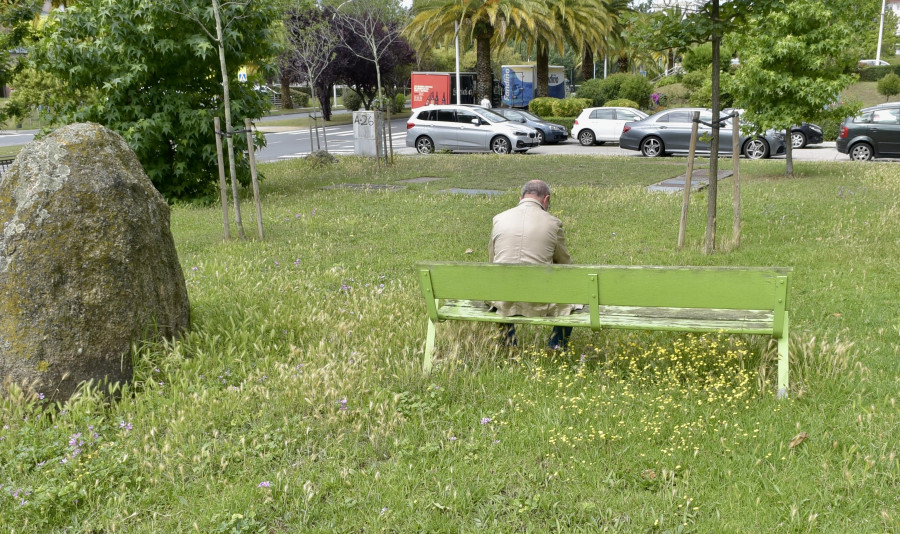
(604,124)
(467,129)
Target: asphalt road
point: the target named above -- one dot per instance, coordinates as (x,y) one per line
(295,144)
(287,143)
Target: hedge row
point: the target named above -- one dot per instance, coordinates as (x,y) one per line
(873,74)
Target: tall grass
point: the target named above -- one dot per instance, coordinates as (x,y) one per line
(297,402)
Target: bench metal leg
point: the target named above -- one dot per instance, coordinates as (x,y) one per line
(429,348)
(783,359)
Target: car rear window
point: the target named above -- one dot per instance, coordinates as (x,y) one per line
(604,114)
(679,116)
(427,115)
(446,115)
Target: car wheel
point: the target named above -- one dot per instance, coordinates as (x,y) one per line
(500,145)
(798,140)
(586,137)
(861,152)
(652,147)
(756,149)
(539,137)
(425,145)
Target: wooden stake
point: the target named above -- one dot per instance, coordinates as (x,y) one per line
(223,188)
(687,178)
(251,151)
(736,157)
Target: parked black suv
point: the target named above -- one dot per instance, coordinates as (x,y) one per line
(874,133)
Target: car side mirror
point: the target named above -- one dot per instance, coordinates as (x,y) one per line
(476,122)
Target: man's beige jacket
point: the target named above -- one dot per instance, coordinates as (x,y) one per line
(528,234)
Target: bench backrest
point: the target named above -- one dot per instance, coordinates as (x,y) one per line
(743,288)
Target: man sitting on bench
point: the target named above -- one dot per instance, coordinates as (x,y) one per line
(527,233)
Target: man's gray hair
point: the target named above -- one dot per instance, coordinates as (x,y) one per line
(536,187)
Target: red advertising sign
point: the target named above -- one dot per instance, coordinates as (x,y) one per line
(430,89)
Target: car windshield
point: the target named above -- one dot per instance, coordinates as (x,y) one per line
(531,116)
(489,115)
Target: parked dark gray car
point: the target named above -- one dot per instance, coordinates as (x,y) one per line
(547,132)
(669,132)
(874,133)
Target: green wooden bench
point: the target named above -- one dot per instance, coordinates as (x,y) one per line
(734,300)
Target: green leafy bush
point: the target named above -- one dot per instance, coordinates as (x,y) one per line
(568,122)
(636,88)
(698,58)
(352,101)
(694,80)
(399,102)
(889,85)
(669,80)
(571,107)
(622,102)
(542,106)
(300,98)
(873,74)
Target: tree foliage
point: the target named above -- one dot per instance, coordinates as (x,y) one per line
(796,60)
(155,79)
(889,85)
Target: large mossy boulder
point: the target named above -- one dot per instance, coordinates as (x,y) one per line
(87,263)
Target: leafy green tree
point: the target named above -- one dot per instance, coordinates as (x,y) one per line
(481,21)
(889,85)
(157,80)
(17,23)
(795,60)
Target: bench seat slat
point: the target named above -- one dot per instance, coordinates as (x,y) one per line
(634,318)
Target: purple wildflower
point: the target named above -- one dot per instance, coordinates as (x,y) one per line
(264,484)
(485,420)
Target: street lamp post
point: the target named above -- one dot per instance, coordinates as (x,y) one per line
(880,31)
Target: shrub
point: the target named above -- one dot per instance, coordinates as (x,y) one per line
(571,107)
(693,80)
(873,74)
(622,102)
(542,106)
(300,98)
(568,122)
(636,88)
(599,91)
(889,85)
(399,102)
(668,80)
(698,58)
(352,101)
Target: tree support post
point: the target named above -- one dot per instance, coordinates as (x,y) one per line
(736,201)
(251,151)
(223,189)
(695,126)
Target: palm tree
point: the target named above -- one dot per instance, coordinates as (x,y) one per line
(584,24)
(481,21)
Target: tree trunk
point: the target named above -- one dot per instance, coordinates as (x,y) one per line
(587,64)
(788,153)
(286,101)
(542,69)
(622,64)
(325,100)
(714,143)
(483,34)
(227,103)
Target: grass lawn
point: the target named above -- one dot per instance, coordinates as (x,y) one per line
(297,402)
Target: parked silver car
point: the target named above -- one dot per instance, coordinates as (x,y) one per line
(669,132)
(467,129)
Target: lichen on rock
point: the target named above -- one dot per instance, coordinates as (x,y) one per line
(87,262)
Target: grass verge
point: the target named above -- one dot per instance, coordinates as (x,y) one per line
(297,401)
